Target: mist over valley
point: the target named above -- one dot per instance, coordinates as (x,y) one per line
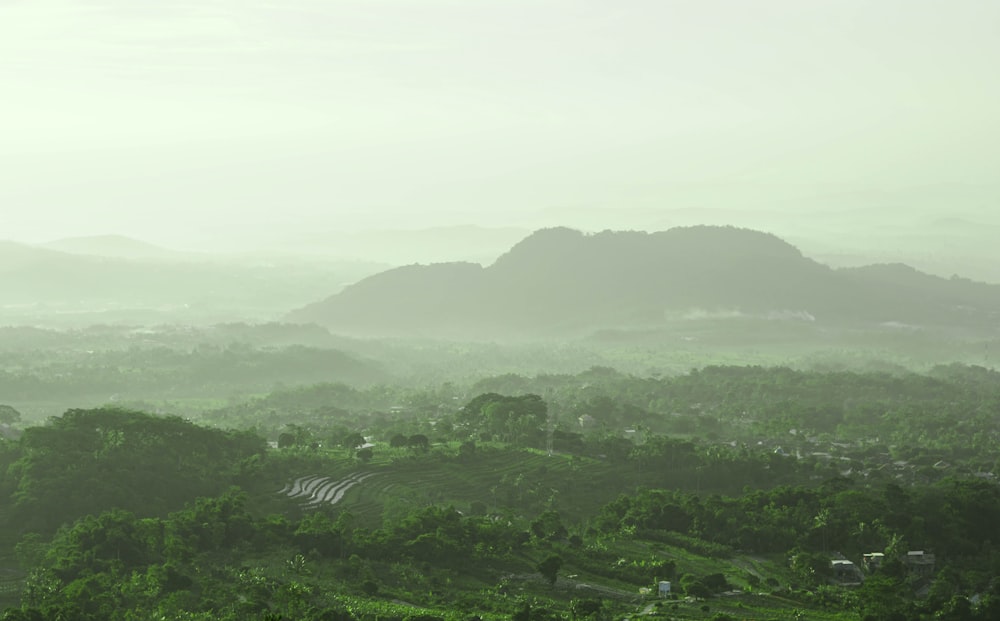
(485,311)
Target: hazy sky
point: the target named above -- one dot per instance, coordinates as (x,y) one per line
(180,121)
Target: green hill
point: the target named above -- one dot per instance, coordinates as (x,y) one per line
(560,281)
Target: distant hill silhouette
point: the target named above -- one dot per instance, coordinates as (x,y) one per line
(117,246)
(30,274)
(46,287)
(559,281)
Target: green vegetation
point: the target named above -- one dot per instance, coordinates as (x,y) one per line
(765,463)
(508,504)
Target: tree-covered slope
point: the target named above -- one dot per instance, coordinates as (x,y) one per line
(563,281)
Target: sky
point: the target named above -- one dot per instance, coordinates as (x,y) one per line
(192,123)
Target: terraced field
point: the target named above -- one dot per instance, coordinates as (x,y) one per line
(318,489)
(521,482)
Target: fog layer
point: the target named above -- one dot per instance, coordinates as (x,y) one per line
(235,124)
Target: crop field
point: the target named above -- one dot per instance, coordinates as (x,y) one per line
(524,483)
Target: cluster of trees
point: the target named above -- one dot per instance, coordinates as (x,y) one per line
(955,518)
(515,420)
(215,559)
(772,400)
(949,411)
(88,460)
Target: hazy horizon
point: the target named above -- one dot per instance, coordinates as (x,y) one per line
(245,123)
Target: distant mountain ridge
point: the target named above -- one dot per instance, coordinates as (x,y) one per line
(114,246)
(41,286)
(560,280)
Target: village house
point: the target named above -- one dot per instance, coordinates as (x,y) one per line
(846,572)
(919,563)
(872,561)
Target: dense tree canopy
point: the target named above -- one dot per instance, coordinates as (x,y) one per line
(87,460)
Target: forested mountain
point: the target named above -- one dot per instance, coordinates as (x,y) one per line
(563,281)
